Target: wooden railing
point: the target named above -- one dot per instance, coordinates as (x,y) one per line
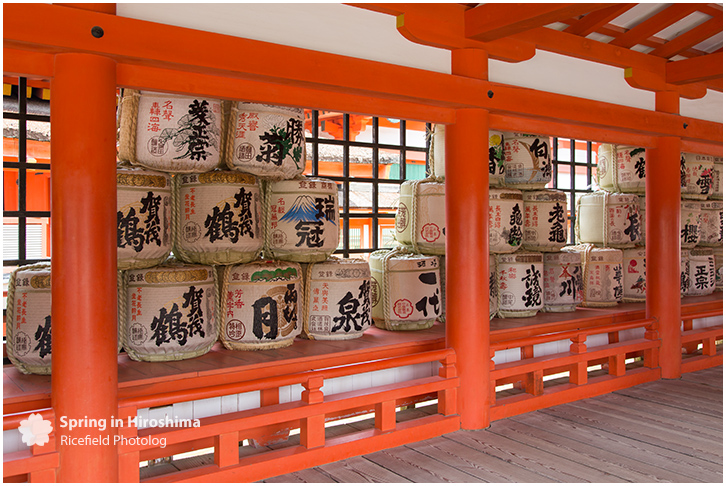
(37,464)
(706,337)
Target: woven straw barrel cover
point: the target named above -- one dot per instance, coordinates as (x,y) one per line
(641,208)
(217,218)
(442,276)
(520,277)
(717,178)
(527,161)
(143,217)
(629,169)
(545,220)
(437,150)
(506,220)
(337,299)
(605,171)
(685,271)
(437,155)
(711,224)
(410,285)
(266,140)
(302,219)
(170,312)
(261,302)
(493,287)
(718,261)
(690,224)
(634,275)
(169,132)
(28,322)
(702,272)
(611,220)
(421,215)
(696,176)
(602,275)
(562,282)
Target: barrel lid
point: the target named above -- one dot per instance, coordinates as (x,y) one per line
(545,195)
(35,276)
(561,257)
(263,107)
(175,272)
(520,257)
(140,177)
(597,253)
(217,177)
(403,261)
(505,193)
(341,268)
(265,271)
(307,184)
(701,251)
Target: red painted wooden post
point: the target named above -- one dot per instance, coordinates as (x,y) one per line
(650,356)
(689,348)
(312,429)
(385,420)
(226,449)
(709,347)
(447,398)
(578,373)
(616,365)
(467,246)
(535,383)
(128,462)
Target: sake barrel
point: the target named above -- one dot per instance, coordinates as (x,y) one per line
(337,299)
(437,155)
(442,277)
(563,287)
(266,140)
(718,261)
(28,322)
(610,220)
(421,217)
(527,161)
(437,150)
(685,271)
(641,208)
(702,272)
(711,224)
(143,217)
(405,290)
(605,170)
(634,275)
(545,220)
(520,281)
(302,219)
(690,223)
(602,271)
(217,218)
(506,208)
(262,303)
(170,133)
(629,169)
(169,312)
(717,178)
(493,287)
(696,176)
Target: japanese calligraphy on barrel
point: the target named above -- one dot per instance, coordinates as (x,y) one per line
(266,140)
(493,287)
(608,219)
(634,274)
(437,155)
(690,224)
(711,224)
(337,299)
(405,290)
(696,176)
(520,281)
(621,168)
(169,311)
(718,262)
(717,178)
(143,217)
(421,217)
(262,303)
(563,286)
(506,220)
(641,208)
(545,220)
(602,271)
(527,161)
(442,277)
(302,219)
(217,218)
(170,133)
(685,271)
(702,272)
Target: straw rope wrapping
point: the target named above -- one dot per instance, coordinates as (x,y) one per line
(385,284)
(176,216)
(10,320)
(266,218)
(510,313)
(306,284)
(415,192)
(585,251)
(128,121)
(223,277)
(430,137)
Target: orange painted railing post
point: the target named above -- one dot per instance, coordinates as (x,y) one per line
(84,383)
(312,429)
(447,398)
(578,373)
(467,247)
(651,356)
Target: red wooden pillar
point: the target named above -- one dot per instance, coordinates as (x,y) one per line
(84,383)
(467,247)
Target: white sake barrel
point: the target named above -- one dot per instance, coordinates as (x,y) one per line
(169,312)
(690,223)
(634,275)
(717,178)
(421,217)
(266,140)
(711,224)
(217,218)
(605,171)
(718,261)
(437,155)
(685,271)
(527,161)
(545,220)
(696,176)
(641,208)
(602,270)
(629,169)
(437,150)
(337,299)
(493,287)
(406,292)
(562,282)
(611,220)
(442,277)
(302,219)
(170,133)
(143,217)
(28,323)
(520,282)
(506,219)
(262,303)
(702,272)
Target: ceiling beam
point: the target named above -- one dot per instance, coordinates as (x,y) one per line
(695,70)
(690,38)
(594,20)
(654,24)
(492,21)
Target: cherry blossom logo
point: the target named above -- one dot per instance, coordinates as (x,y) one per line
(35,430)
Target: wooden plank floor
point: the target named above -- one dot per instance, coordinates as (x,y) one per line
(663,431)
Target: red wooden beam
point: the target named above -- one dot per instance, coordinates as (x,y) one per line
(493,21)
(689,39)
(654,24)
(695,69)
(594,20)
